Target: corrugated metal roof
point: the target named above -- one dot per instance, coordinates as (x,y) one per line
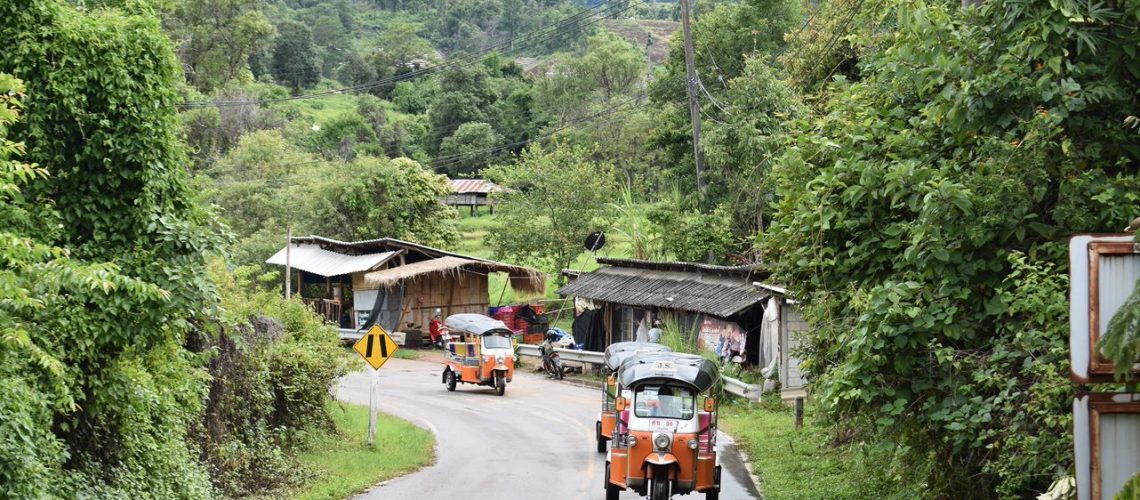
(708,293)
(463,186)
(312,258)
(750,269)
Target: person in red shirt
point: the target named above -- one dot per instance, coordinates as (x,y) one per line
(434,327)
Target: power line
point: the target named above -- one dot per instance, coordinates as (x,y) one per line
(835,37)
(529,39)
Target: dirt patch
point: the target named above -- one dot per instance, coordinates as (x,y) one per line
(635,30)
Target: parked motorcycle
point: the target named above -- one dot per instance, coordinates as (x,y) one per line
(551,362)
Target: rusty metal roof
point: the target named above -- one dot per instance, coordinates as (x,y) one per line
(482,186)
(704,291)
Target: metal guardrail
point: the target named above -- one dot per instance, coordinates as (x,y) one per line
(747,391)
(750,392)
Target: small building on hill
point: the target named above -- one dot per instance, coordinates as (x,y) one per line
(717,304)
(398,282)
(473,193)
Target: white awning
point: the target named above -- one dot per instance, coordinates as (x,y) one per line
(314,259)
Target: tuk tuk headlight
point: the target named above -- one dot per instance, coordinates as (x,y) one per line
(499,359)
(692,444)
(662,441)
(632,441)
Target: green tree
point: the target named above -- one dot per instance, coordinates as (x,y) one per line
(398,50)
(380,198)
(554,199)
(101,119)
(923,217)
(215,38)
(470,149)
(295,62)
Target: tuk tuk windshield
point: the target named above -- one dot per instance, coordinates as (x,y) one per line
(496,342)
(664,401)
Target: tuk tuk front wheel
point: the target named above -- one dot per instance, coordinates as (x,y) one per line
(659,487)
(450,380)
(600,438)
(500,383)
(612,491)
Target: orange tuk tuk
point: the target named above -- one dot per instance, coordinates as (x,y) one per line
(480,352)
(615,355)
(665,435)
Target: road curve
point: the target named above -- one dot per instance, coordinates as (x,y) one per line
(537,441)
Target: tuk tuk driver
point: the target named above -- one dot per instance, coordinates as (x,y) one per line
(665,404)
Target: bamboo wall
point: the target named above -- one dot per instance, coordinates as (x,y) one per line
(453,292)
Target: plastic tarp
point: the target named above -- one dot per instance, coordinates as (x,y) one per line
(770,340)
(590,330)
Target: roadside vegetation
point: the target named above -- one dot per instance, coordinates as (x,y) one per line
(340,463)
(910,170)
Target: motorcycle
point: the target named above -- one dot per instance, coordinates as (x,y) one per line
(551,362)
(442,337)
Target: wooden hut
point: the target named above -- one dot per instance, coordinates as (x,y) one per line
(472,193)
(400,282)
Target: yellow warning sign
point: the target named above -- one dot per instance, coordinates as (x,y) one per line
(375,347)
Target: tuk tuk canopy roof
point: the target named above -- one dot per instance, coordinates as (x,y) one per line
(477,324)
(669,367)
(617,353)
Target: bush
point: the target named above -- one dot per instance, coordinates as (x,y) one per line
(274,364)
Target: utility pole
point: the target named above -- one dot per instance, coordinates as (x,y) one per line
(694,106)
(288,264)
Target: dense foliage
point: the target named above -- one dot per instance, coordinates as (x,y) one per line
(553,199)
(922,220)
(106,302)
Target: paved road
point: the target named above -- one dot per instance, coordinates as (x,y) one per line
(537,441)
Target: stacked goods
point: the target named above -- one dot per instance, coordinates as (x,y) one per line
(506,314)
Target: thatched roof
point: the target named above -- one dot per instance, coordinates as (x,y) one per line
(522,279)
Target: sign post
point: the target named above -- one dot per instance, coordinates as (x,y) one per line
(375,347)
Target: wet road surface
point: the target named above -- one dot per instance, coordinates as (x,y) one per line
(537,441)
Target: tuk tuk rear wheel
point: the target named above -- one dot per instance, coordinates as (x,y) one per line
(712,495)
(500,383)
(601,439)
(450,380)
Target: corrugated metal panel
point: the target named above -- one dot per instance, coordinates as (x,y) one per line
(463,186)
(1117,278)
(694,292)
(1119,456)
(314,259)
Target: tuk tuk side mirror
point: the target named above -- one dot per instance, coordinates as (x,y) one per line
(619,404)
(710,405)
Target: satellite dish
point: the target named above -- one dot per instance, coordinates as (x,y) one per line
(595,241)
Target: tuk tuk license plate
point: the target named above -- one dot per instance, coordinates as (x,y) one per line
(662,425)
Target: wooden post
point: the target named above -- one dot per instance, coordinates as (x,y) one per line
(691,83)
(799,412)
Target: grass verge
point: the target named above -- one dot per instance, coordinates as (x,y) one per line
(342,463)
(802,464)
